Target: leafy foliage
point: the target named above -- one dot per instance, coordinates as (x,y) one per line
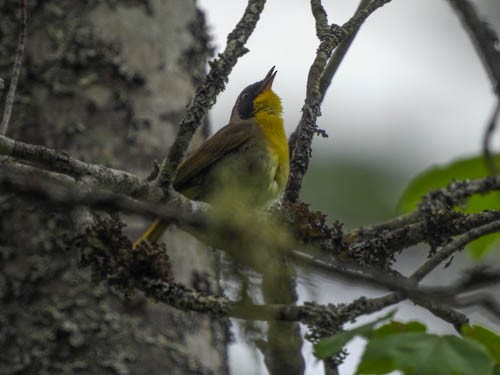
(439,177)
(408,348)
(395,327)
(488,338)
(420,353)
(333,344)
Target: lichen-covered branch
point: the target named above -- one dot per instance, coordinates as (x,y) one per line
(434,222)
(58,161)
(214,83)
(179,296)
(109,255)
(380,249)
(437,299)
(456,193)
(408,287)
(47,190)
(310,313)
(62,191)
(367,231)
(456,245)
(330,37)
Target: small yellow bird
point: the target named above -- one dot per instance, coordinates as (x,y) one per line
(245,163)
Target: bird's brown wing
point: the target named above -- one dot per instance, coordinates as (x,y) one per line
(226,140)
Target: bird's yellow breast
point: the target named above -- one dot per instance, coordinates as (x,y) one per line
(268,113)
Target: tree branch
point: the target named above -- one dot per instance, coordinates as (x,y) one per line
(330,37)
(338,55)
(365,232)
(65,193)
(9,99)
(485,40)
(443,311)
(379,249)
(59,161)
(456,245)
(483,37)
(437,221)
(70,196)
(443,198)
(213,85)
(62,191)
(429,297)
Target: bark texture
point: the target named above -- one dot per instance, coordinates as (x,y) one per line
(107,82)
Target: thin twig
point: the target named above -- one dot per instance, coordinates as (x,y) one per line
(484,300)
(11,165)
(456,245)
(331,68)
(330,37)
(444,312)
(408,286)
(488,135)
(338,56)
(9,100)
(457,193)
(368,231)
(484,38)
(214,83)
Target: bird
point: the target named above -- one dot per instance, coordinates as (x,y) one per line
(245,164)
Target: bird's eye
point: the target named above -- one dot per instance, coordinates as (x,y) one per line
(244,96)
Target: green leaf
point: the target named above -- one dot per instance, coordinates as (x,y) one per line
(488,338)
(398,327)
(439,177)
(417,353)
(331,345)
(481,246)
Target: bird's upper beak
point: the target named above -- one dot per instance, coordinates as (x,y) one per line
(267,82)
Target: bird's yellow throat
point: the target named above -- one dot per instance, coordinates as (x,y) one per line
(268,113)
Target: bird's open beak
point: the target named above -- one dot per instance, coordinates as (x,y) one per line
(267,82)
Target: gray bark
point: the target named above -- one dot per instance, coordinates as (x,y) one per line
(106,82)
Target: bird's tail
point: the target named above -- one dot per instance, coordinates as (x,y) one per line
(153,233)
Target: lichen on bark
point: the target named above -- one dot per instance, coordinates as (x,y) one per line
(97,80)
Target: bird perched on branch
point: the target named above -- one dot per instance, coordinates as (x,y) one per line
(244,164)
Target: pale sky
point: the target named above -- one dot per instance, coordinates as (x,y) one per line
(411,93)
(411,90)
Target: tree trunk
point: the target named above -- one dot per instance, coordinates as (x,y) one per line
(106,82)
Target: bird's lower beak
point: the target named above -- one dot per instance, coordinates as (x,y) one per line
(267,82)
